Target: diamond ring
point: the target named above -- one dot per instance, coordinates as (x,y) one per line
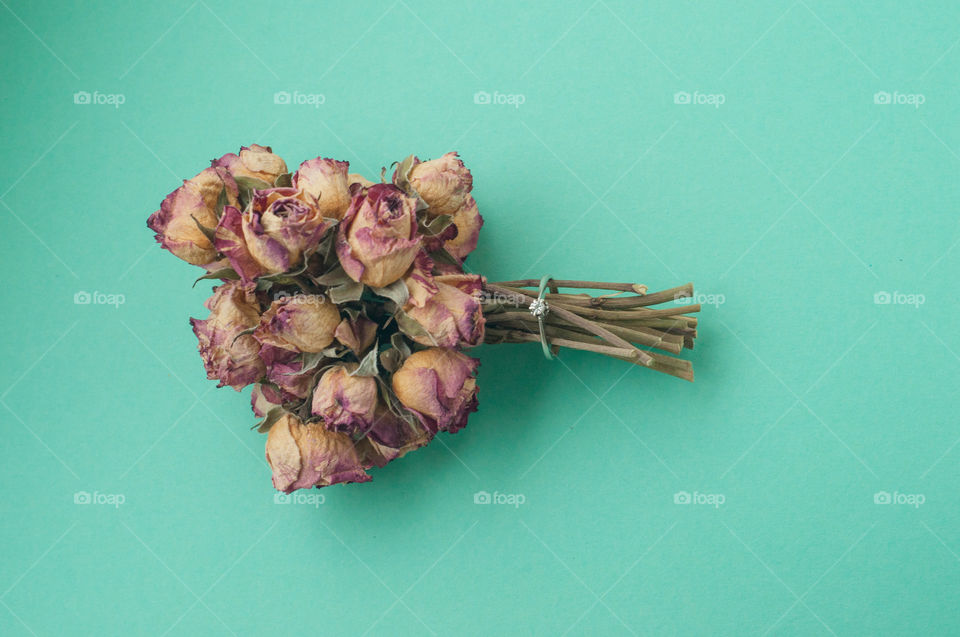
(540,308)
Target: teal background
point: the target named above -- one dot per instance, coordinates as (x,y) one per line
(794,203)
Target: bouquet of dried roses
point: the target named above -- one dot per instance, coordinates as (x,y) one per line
(347,305)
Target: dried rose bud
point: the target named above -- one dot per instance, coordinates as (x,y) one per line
(468,222)
(419,279)
(453,316)
(377,239)
(228,356)
(326,181)
(346,403)
(263,398)
(256,162)
(357,334)
(273,234)
(363,182)
(285,370)
(308,455)
(443,183)
(196,199)
(438,386)
(390,438)
(305,323)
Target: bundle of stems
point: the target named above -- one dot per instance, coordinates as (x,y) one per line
(621,324)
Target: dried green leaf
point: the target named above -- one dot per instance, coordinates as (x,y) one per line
(247,185)
(226,274)
(311,361)
(403,175)
(400,344)
(396,292)
(272,416)
(409,326)
(346,292)
(221,202)
(243,333)
(207,231)
(391,360)
(334,276)
(368,366)
(433,226)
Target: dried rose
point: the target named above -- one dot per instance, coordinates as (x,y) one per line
(255,162)
(346,403)
(357,334)
(305,323)
(308,455)
(453,316)
(229,355)
(390,438)
(285,369)
(468,223)
(438,386)
(263,398)
(272,236)
(195,201)
(326,181)
(377,239)
(419,280)
(443,183)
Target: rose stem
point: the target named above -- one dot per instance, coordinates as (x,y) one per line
(685,325)
(643,336)
(665,364)
(681,291)
(607,350)
(563,283)
(653,298)
(573,334)
(605,334)
(638,313)
(652,338)
(669,323)
(585,300)
(592,312)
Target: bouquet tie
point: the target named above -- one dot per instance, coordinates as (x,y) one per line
(346,305)
(540,308)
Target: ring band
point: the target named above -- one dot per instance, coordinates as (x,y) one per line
(540,308)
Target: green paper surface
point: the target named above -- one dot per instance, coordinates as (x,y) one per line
(797,161)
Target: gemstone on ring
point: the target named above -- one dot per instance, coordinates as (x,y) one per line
(539,308)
